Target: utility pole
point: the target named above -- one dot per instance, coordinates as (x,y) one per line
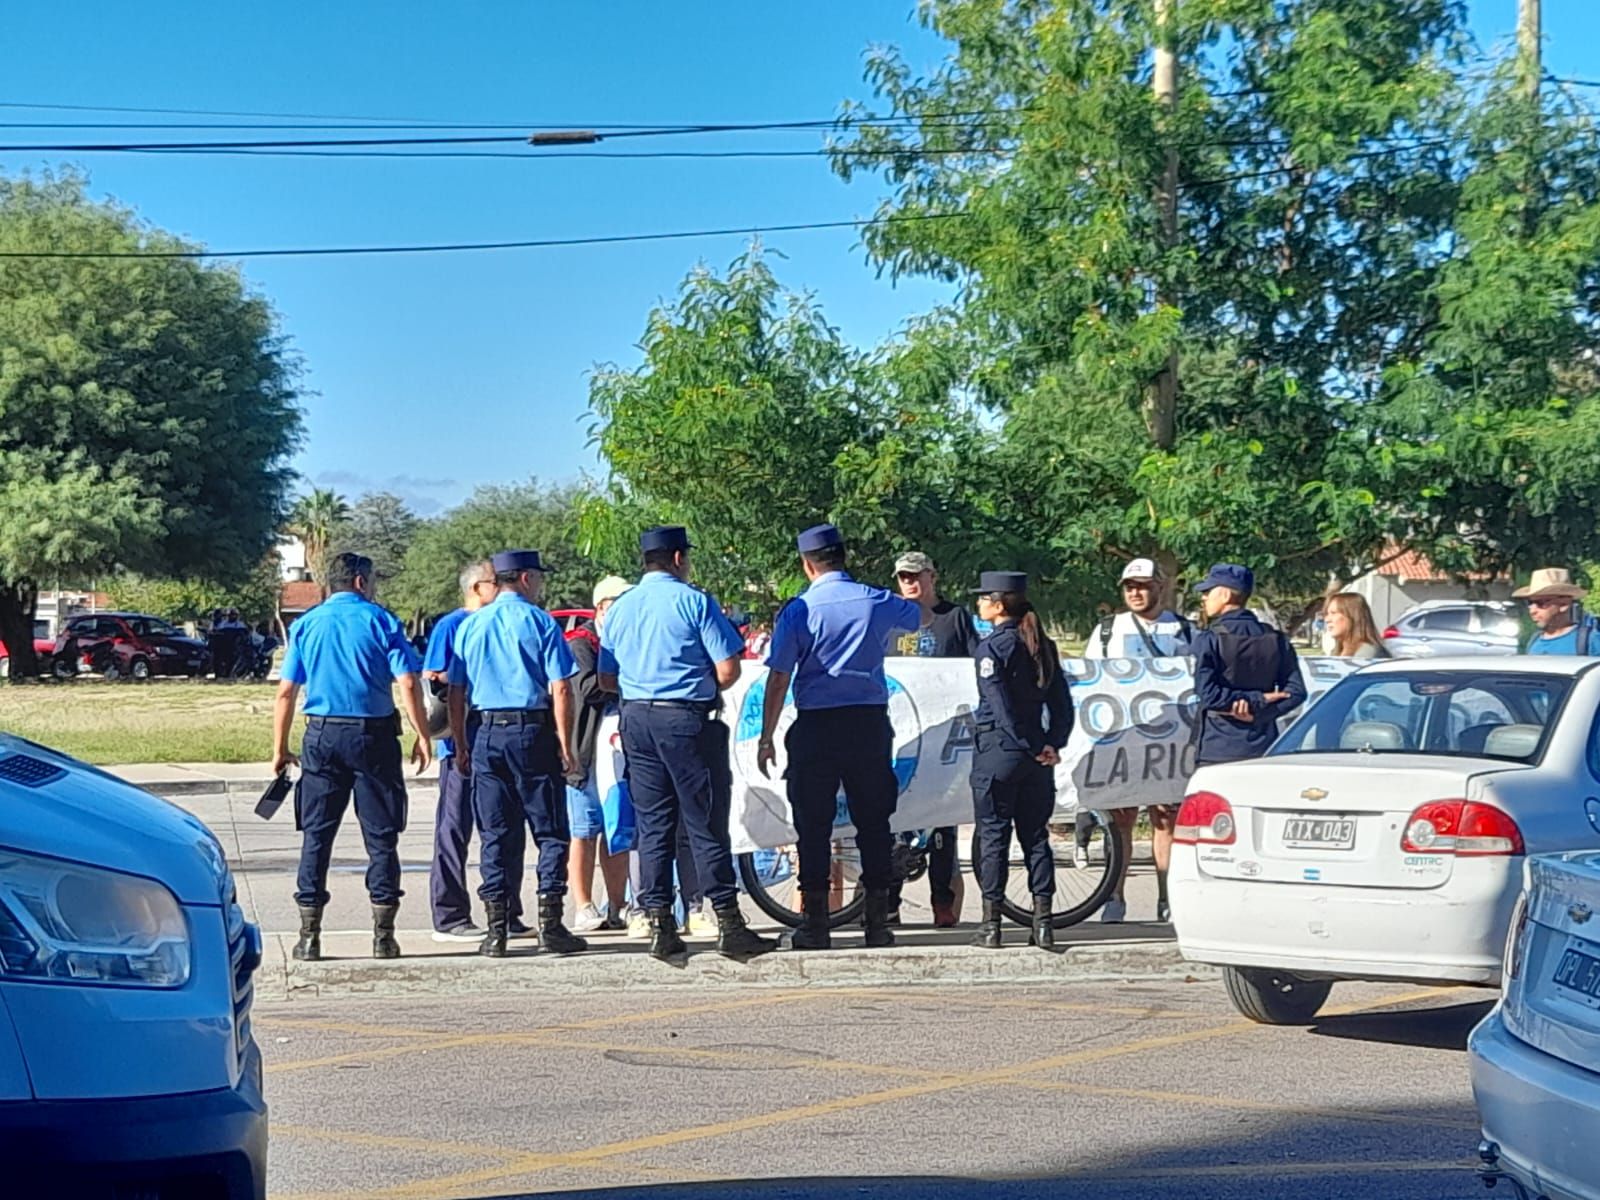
(1529,31)
(1161,405)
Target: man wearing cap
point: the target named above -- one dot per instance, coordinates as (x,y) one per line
(1552,600)
(347,653)
(831,642)
(947,631)
(1145,628)
(512,656)
(584,812)
(1246,675)
(669,652)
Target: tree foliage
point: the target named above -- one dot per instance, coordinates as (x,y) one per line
(317,519)
(380,526)
(195,599)
(147,405)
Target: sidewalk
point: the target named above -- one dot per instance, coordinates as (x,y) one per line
(264,855)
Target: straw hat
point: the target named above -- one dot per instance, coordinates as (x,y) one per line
(1550,581)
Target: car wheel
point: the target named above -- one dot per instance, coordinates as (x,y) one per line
(1272,997)
(139,668)
(63,668)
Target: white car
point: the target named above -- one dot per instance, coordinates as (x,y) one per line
(1383,836)
(1536,1058)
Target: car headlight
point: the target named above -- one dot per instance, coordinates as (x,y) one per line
(64,922)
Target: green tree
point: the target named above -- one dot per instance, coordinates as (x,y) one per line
(528,516)
(750,419)
(147,405)
(317,519)
(380,526)
(194,598)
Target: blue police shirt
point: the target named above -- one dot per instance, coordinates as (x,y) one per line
(347,651)
(509,652)
(833,637)
(438,658)
(663,640)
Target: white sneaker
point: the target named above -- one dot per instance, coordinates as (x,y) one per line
(586,920)
(1114,912)
(701,924)
(1080,857)
(638,924)
(459,933)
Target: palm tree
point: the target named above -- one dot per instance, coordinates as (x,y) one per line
(315,519)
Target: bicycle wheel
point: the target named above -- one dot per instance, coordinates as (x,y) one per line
(1080,891)
(772,879)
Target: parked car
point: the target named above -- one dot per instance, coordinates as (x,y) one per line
(1440,628)
(131,645)
(572,620)
(127,1063)
(44,648)
(1382,837)
(1535,1060)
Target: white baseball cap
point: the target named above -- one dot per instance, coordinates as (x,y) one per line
(1140,568)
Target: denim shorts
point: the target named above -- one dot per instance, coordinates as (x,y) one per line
(583,812)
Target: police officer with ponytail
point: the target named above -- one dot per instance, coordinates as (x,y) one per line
(1023,719)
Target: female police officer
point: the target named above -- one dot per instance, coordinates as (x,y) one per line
(1023,720)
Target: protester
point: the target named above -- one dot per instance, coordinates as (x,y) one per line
(347,652)
(1552,600)
(1023,720)
(946,632)
(583,797)
(831,642)
(1145,628)
(1353,632)
(668,651)
(513,657)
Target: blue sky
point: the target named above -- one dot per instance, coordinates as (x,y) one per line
(432,374)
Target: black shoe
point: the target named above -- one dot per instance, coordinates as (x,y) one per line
(383,943)
(553,935)
(666,943)
(1163,911)
(813,933)
(494,939)
(988,935)
(878,931)
(1044,930)
(464,932)
(515,928)
(737,940)
(309,947)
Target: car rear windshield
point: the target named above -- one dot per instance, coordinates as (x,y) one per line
(1456,714)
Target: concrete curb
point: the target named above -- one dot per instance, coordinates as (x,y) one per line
(609,969)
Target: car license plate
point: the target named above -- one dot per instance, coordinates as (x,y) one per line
(1319,833)
(1579,972)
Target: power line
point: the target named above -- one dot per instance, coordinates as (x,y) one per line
(540,155)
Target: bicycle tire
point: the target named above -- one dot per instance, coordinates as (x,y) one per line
(1110,868)
(780,908)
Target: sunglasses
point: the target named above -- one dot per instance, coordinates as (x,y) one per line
(1548,602)
(908,576)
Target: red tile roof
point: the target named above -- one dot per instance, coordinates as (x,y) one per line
(299,595)
(1412,566)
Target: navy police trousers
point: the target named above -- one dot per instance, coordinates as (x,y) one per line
(1012,788)
(517,786)
(851,747)
(341,756)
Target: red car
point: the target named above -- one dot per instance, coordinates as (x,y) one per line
(44,648)
(131,645)
(572,620)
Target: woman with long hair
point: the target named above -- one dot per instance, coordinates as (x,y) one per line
(1351,628)
(1023,719)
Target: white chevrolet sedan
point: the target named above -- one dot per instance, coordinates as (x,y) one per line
(1383,836)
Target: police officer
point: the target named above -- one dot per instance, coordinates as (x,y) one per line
(512,659)
(1246,673)
(345,652)
(1023,720)
(831,642)
(668,651)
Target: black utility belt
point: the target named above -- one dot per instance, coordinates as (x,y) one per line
(704,708)
(514,716)
(389,724)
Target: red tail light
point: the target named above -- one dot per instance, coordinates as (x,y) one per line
(1461,827)
(1392,631)
(1204,817)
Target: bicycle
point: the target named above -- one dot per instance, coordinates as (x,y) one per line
(770,876)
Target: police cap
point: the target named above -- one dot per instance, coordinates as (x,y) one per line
(991,582)
(819,537)
(665,537)
(508,561)
(1228,575)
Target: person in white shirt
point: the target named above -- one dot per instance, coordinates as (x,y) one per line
(1146,628)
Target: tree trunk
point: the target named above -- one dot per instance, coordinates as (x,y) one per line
(18,601)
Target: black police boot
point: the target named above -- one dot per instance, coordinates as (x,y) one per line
(665,942)
(1163,905)
(813,933)
(735,939)
(309,947)
(878,931)
(383,943)
(988,935)
(1044,931)
(497,918)
(553,935)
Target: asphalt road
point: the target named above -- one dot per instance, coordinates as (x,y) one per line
(1143,1092)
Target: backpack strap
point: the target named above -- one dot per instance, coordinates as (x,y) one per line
(1105,633)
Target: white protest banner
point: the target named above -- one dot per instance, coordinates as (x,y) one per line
(1132,744)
